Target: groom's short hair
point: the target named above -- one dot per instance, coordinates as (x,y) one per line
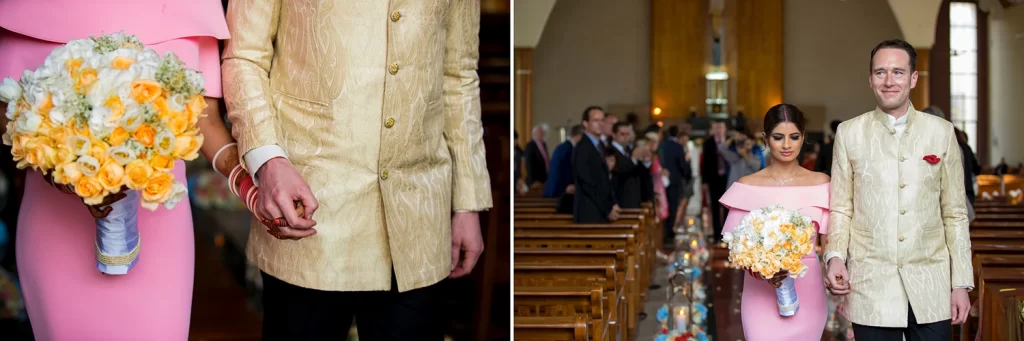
(894,44)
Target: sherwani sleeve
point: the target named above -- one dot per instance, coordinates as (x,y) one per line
(953,201)
(463,131)
(246,76)
(841,200)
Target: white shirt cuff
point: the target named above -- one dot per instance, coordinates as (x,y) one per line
(255,158)
(833,254)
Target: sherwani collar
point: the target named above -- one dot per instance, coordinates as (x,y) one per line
(883,118)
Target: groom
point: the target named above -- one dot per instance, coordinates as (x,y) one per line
(898,242)
(367,112)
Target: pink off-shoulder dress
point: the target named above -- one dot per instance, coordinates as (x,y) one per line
(66,296)
(759,309)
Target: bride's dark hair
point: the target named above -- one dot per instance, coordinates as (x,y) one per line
(783,113)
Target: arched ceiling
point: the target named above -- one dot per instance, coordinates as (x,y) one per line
(530,18)
(916,19)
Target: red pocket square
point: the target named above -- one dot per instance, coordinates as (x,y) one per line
(932,159)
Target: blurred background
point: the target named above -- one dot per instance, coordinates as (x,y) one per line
(226,297)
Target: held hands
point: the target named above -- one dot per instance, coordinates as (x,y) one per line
(571,189)
(466,241)
(281,188)
(614,214)
(837,279)
(960,305)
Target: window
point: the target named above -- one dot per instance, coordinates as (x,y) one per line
(963,68)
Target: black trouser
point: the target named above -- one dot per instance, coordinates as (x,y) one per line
(914,331)
(715,191)
(296,313)
(672,194)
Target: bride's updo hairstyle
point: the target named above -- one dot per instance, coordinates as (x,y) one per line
(783,113)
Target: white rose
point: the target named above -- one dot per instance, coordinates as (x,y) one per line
(12,108)
(122,154)
(89,165)
(79,145)
(29,121)
(10,90)
(179,193)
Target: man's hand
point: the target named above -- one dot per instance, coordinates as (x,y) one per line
(466,241)
(614,214)
(571,189)
(960,305)
(837,280)
(281,187)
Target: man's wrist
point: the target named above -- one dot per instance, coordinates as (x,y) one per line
(257,157)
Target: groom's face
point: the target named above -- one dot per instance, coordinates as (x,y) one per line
(891,78)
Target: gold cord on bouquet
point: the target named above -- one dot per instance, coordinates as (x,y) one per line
(124,259)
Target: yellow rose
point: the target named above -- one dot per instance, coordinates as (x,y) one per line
(146,135)
(116,108)
(137,174)
(187,147)
(158,189)
(161,163)
(177,123)
(90,189)
(121,63)
(72,65)
(70,173)
(46,105)
(80,130)
(98,150)
(195,108)
(118,136)
(59,134)
(145,91)
(111,176)
(85,79)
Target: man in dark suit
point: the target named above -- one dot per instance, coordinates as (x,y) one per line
(629,169)
(537,161)
(824,162)
(560,176)
(673,159)
(714,172)
(594,201)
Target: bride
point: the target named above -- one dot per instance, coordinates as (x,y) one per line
(782,182)
(67,298)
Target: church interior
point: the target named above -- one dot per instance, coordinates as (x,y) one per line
(660,64)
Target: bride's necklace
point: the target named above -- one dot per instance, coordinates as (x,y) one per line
(782,182)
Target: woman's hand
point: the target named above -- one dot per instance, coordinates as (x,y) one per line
(775,281)
(103,209)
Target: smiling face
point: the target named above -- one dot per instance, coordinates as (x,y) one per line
(785,142)
(891,78)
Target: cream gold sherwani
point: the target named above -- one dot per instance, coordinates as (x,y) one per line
(376,103)
(898,221)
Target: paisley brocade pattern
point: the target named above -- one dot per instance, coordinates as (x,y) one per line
(898,221)
(380,114)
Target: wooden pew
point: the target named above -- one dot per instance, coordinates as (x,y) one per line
(557,276)
(553,225)
(550,328)
(571,301)
(997,240)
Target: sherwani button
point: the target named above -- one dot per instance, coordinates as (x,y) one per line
(390,122)
(393,69)
(384,175)
(903,212)
(902,159)
(892,131)
(395,16)
(899,265)
(901,238)
(903,185)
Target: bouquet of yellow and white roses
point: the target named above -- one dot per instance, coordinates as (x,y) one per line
(770,241)
(103,116)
